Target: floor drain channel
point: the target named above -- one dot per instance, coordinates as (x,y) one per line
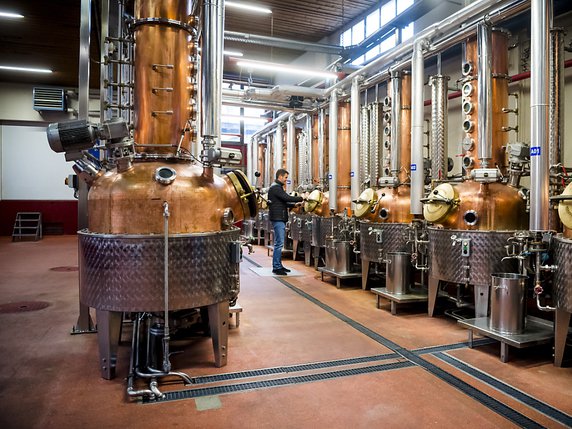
(23,306)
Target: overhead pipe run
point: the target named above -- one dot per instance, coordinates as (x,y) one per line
(355,143)
(540,13)
(277,42)
(417,118)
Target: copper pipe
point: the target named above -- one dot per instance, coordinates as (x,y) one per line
(405,123)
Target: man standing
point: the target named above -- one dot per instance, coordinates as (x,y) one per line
(278,203)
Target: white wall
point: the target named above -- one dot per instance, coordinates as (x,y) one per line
(30,170)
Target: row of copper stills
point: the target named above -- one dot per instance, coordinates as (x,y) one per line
(472,245)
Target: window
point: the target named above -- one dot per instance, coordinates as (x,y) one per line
(387,12)
(358,32)
(402,5)
(372,23)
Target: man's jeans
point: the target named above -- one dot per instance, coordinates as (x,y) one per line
(279,232)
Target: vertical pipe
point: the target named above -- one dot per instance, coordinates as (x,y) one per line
(309,146)
(211,70)
(321,145)
(438,126)
(355,143)
(290,154)
(540,12)
(267,162)
(278,139)
(555,117)
(83,94)
(333,153)
(249,160)
(417,79)
(395,124)
(485,97)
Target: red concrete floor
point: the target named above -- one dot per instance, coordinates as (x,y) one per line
(50,379)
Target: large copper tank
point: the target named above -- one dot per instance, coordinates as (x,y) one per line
(121,253)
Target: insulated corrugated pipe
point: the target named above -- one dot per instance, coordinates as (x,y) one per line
(309,154)
(290,154)
(333,153)
(541,17)
(250,160)
(355,143)
(417,117)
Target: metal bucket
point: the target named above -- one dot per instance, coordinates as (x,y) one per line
(507,303)
(343,256)
(330,255)
(398,272)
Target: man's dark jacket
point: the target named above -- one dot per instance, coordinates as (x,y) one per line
(279,201)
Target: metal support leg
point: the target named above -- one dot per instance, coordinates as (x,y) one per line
(481,300)
(84,324)
(218,321)
(561,323)
(338,283)
(504,352)
(364,273)
(432,294)
(470,339)
(307,254)
(378,301)
(393,307)
(109,331)
(294,249)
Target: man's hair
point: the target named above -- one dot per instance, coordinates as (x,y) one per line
(281,172)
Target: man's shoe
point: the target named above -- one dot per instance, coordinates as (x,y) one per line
(279,272)
(285,269)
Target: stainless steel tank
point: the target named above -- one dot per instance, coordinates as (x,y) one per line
(508,310)
(399,272)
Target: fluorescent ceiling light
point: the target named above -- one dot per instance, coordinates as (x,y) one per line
(282,68)
(10,15)
(25,69)
(233,53)
(247,6)
(250,119)
(228,53)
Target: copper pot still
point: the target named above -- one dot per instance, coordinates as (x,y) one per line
(130,202)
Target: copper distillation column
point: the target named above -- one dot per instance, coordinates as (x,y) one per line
(474,218)
(161,239)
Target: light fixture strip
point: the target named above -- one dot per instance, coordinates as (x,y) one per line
(10,15)
(248,7)
(25,69)
(282,68)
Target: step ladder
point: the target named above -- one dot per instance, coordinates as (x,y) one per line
(27,224)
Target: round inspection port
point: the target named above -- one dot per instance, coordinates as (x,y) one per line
(468,126)
(387,131)
(384,213)
(467,107)
(386,144)
(387,101)
(467,68)
(470,217)
(468,143)
(386,171)
(387,117)
(467,162)
(467,89)
(165,175)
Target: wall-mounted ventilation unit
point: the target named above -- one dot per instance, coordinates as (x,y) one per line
(53,99)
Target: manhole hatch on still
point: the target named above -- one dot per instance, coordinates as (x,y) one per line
(63,269)
(23,306)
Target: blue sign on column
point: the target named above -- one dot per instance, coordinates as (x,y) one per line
(413,167)
(330,177)
(535,151)
(288,182)
(352,174)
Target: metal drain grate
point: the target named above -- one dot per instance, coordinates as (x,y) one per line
(23,306)
(64,269)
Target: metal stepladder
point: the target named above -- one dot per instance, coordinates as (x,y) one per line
(27,224)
